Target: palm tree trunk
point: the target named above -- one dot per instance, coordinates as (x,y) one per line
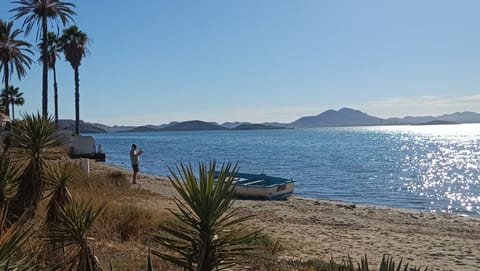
(13,111)
(7,102)
(77,102)
(55,93)
(45,67)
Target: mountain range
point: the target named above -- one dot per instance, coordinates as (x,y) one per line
(329,118)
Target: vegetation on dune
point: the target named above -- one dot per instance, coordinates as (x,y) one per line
(209,234)
(34,141)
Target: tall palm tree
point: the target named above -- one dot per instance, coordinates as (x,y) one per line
(34,141)
(53,53)
(209,235)
(38,12)
(13,97)
(74,45)
(13,53)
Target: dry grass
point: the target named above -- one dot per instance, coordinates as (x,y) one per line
(120,236)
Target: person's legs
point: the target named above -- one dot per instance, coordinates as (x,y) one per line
(135,171)
(134,177)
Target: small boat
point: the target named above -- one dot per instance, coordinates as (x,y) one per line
(261,186)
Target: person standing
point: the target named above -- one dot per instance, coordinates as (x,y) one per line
(134,159)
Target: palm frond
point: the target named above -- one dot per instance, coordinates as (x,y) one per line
(33,11)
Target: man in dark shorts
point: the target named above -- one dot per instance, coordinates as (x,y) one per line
(134,159)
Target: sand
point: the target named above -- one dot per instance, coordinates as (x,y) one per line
(320,229)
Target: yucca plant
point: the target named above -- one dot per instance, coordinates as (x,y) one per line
(75,221)
(388,264)
(209,234)
(34,141)
(11,240)
(149,261)
(58,177)
(8,182)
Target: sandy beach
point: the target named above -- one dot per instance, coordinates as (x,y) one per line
(319,229)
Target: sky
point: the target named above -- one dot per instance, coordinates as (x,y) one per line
(157,61)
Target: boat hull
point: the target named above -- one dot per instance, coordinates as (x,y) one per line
(276,192)
(261,186)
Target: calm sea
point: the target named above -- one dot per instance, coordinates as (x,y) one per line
(433,168)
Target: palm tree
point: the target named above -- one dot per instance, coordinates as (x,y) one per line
(74,45)
(53,53)
(34,141)
(38,12)
(208,236)
(13,53)
(12,97)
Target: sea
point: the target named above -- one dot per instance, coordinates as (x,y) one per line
(434,168)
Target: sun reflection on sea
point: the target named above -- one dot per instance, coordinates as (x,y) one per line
(446,159)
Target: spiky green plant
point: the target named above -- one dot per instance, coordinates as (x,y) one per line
(34,141)
(209,234)
(388,264)
(57,179)
(149,261)
(11,241)
(8,181)
(76,219)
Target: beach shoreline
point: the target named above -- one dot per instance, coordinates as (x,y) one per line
(321,229)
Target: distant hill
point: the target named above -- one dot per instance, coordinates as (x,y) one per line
(329,118)
(342,117)
(145,128)
(84,127)
(351,117)
(192,125)
(458,117)
(231,125)
(437,122)
(257,127)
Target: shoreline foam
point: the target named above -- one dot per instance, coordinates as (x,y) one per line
(321,229)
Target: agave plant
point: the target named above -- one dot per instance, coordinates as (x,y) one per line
(34,141)
(208,234)
(75,221)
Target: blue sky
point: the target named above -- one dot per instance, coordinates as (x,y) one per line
(152,62)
